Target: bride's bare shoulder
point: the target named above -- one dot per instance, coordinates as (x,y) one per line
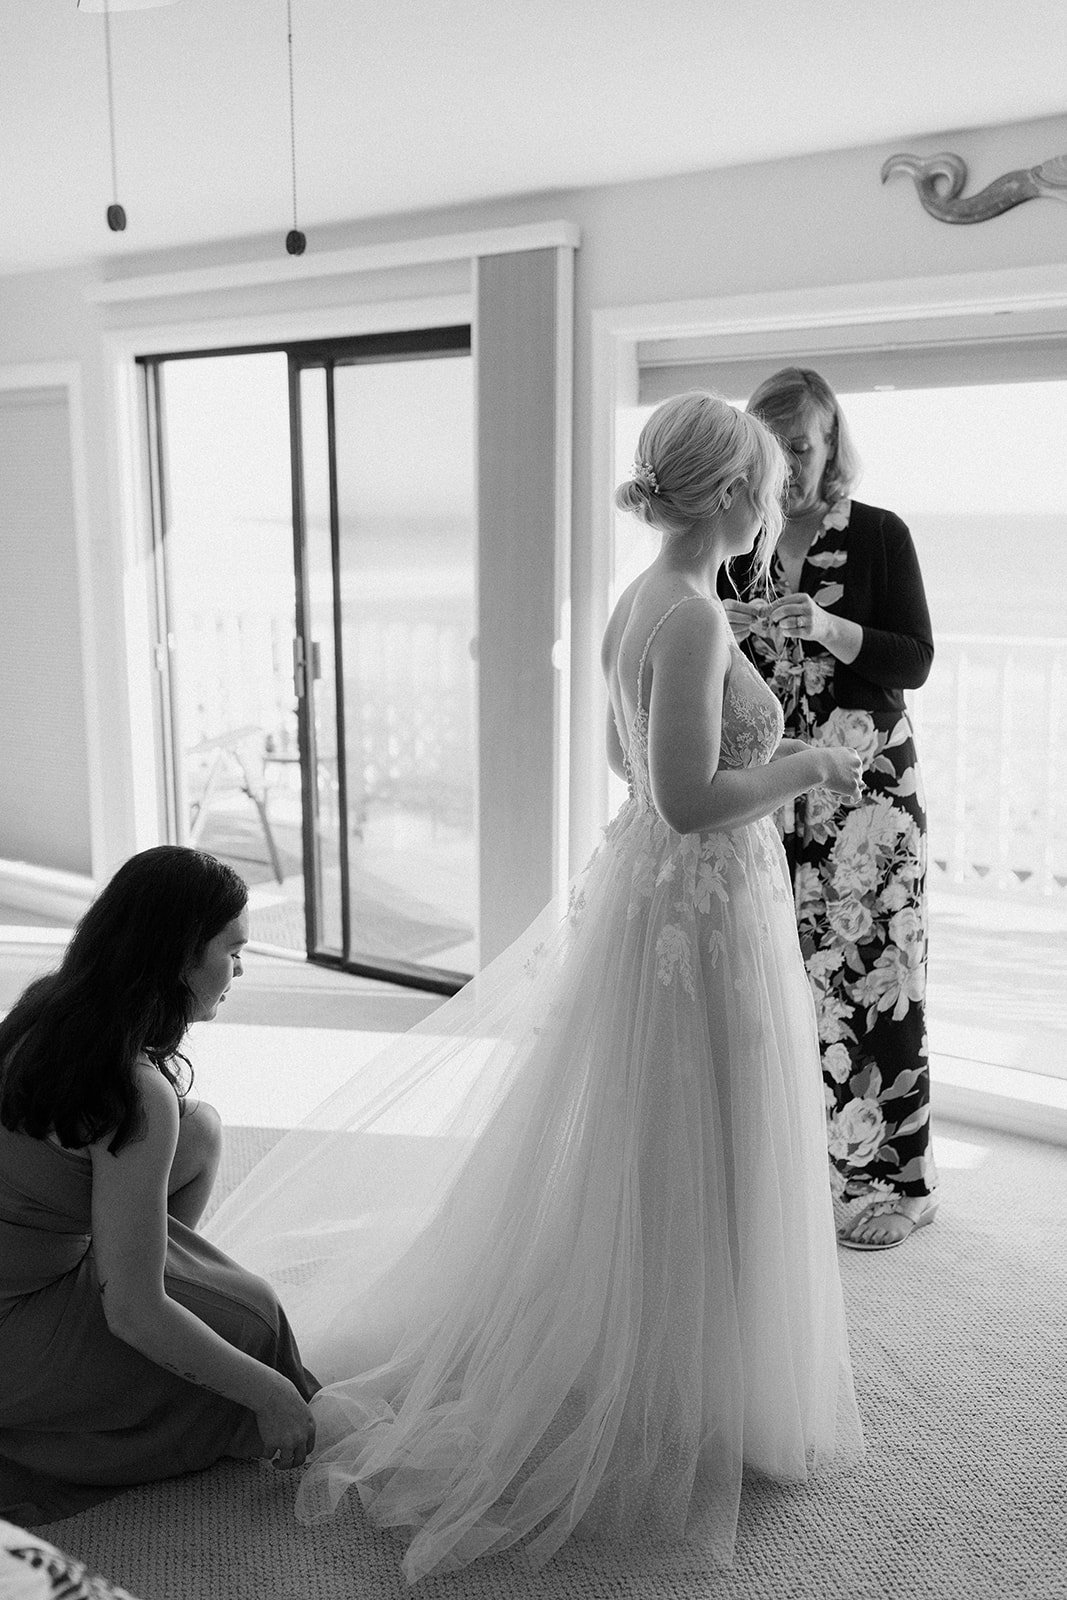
(644,603)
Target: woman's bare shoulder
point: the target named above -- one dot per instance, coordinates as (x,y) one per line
(692,638)
(645,604)
(675,616)
(159,1112)
(157,1094)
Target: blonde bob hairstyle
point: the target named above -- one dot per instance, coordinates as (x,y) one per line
(792,397)
(691,449)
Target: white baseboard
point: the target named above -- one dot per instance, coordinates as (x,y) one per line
(45,890)
(1003,1098)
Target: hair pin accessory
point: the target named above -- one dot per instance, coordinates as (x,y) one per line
(643,473)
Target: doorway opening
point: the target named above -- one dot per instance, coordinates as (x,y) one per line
(314,544)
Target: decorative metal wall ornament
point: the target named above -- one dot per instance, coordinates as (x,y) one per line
(295,241)
(941,179)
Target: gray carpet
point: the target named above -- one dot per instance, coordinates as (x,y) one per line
(960,1353)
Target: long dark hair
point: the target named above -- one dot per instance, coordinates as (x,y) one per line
(69,1045)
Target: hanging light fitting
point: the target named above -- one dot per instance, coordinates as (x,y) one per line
(295,241)
(116,215)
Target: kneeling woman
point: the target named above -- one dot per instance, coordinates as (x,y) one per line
(131,1348)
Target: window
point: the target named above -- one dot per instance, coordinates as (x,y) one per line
(976,470)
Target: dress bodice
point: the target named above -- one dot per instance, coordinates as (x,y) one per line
(45,1212)
(752,721)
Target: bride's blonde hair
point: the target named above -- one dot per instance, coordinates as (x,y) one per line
(691,449)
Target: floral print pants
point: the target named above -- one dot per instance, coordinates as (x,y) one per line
(859,878)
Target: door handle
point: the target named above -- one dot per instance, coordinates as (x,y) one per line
(299,673)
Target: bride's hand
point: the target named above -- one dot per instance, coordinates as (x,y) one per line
(843,771)
(743,616)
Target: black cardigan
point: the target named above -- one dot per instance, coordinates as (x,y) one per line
(884,593)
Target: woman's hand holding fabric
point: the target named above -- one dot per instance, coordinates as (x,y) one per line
(796,616)
(743,616)
(286,1425)
(799,617)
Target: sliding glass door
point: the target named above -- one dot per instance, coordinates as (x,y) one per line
(222,503)
(383,508)
(315,553)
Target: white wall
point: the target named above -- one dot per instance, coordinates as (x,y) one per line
(44,775)
(800,224)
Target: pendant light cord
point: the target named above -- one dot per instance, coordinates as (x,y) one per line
(292,106)
(110,102)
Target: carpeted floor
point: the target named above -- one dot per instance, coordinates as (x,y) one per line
(960,1352)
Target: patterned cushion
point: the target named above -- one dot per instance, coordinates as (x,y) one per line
(32,1569)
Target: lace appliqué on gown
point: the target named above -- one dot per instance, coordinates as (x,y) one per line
(697,865)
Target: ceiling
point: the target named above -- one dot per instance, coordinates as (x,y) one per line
(410,104)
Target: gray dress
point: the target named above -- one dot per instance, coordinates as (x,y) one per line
(82,1414)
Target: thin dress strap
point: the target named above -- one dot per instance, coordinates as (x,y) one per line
(652,635)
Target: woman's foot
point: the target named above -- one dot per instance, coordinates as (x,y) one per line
(885,1223)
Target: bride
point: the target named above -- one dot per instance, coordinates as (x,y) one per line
(564,1254)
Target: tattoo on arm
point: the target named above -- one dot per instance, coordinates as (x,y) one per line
(191,1377)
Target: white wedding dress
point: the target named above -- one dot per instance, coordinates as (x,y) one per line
(564,1253)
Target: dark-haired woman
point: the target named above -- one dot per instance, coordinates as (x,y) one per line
(131,1349)
(845,632)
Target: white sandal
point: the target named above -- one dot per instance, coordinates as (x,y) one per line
(887,1208)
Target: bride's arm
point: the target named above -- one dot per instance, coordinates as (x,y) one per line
(789,747)
(735,797)
(690,660)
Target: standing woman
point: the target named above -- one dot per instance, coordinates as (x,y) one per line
(564,1253)
(844,631)
(131,1349)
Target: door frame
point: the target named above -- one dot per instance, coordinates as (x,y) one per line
(132,818)
(301,355)
(136,813)
(422,281)
(972,308)
(968,307)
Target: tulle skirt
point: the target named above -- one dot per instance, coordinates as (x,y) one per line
(564,1255)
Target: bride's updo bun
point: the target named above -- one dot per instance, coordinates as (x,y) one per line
(691,449)
(636,496)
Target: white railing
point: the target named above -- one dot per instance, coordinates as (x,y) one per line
(410,717)
(990,726)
